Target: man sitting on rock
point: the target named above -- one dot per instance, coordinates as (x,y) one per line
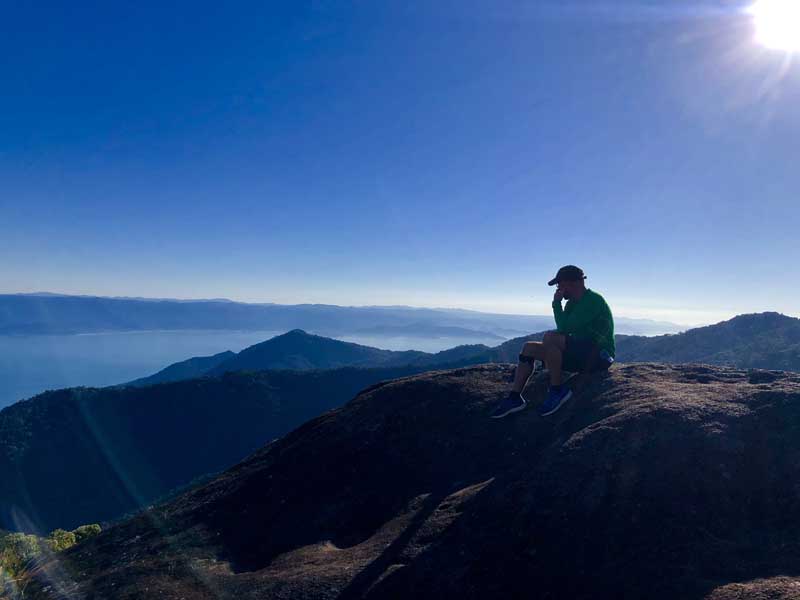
(582,342)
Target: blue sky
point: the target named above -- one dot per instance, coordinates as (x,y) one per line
(432,154)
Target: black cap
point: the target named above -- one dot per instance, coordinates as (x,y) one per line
(567,273)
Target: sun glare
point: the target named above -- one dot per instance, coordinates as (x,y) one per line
(777,24)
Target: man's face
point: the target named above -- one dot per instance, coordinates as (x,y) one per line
(568,288)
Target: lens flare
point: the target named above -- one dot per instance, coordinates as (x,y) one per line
(777,24)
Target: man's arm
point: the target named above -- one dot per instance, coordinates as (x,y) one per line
(558,311)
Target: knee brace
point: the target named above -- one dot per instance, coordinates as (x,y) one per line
(527,359)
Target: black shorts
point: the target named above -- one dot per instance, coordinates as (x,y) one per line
(583,356)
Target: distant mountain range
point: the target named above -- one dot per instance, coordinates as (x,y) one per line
(758,341)
(45,313)
(761,341)
(298,350)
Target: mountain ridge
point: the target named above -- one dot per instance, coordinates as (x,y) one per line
(197,366)
(768,340)
(739,343)
(299,350)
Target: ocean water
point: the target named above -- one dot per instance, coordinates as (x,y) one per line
(30,365)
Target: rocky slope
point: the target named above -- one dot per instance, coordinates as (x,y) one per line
(654,482)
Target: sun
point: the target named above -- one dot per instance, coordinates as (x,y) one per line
(777,24)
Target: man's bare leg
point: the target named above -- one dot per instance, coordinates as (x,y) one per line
(533,351)
(554,345)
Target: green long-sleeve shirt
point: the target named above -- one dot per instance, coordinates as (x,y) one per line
(587,318)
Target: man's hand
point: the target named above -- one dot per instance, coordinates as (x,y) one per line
(559,295)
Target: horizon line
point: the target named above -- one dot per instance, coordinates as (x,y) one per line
(42,293)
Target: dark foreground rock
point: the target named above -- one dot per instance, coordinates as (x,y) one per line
(654,482)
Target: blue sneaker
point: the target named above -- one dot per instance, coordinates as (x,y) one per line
(512,403)
(555,400)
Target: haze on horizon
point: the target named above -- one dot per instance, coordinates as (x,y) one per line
(446,155)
